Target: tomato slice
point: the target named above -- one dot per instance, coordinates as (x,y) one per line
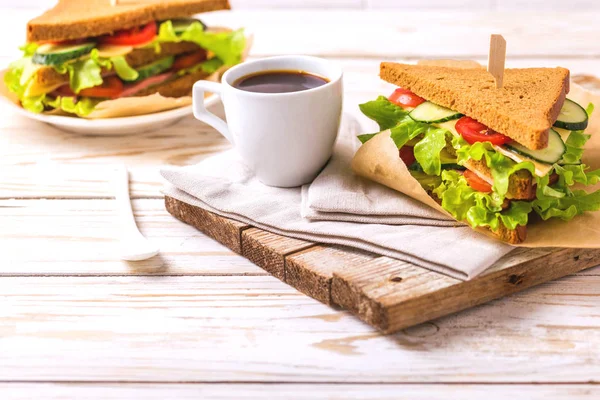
(131,37)
(476,182)
(405,98)
(188,60)
(111,87)
(407,155)
(473,131)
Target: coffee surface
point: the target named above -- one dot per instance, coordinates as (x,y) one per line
(279,82)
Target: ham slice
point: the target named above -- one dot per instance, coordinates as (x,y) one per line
(132,89)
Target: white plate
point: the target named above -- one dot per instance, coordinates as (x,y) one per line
(108,126)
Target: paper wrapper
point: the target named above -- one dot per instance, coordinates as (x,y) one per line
(378,160)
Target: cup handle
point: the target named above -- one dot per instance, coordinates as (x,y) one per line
(200,111)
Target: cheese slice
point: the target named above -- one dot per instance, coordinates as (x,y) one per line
(541,169)
(112,50)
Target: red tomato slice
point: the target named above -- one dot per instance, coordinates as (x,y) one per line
(111,87)
(65,90)
(473,131)
(131,37)
(189,60)
(476,182)
(407,155)
(405,98)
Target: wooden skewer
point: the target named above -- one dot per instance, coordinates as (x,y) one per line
(497,58)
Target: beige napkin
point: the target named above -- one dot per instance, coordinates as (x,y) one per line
(223,185)
(337,194)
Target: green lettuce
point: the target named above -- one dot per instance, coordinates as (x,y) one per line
(208,66)
(82,107)
(562,202)
(227,46)
(384,112)
(477,208)
(574,147)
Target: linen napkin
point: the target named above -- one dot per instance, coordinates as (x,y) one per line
(223,185)
(337,194)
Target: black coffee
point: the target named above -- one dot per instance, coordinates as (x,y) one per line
(279,82)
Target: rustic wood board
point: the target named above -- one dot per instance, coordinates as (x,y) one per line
(386,293)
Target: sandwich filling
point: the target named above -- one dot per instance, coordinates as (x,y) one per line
(481,176)
(74,76)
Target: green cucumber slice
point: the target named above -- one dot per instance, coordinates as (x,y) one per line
(181,24)
(155,68)
(550,155)
(432,113)
(572,117)
(56,54)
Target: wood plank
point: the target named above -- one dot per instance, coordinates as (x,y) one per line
(154,391)
(392,295)
(268,250)
(225,231)
(311,271)
(240,328)
(79,237)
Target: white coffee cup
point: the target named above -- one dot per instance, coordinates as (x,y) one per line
(285,138)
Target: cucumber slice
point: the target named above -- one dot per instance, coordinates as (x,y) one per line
(551,154)
(56,54)
(181,24)
(155,68)
(572,117)
(432,113)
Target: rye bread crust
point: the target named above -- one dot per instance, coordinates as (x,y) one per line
(524,108)
(77,19)
(178,87)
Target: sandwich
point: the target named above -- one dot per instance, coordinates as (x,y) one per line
(495,159)
(81,54)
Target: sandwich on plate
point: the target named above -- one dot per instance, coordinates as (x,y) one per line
(81,54)
(496,159)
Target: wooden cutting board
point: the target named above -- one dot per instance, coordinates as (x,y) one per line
(386,293)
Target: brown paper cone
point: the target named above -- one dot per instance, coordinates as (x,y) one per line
(378,160)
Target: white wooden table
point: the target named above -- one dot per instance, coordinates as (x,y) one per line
(200,321)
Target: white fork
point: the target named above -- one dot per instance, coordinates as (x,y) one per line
(134,246)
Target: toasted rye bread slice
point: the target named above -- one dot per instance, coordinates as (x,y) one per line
(178,87)
(512,236)
(524,108)
(48,76)
(78,19)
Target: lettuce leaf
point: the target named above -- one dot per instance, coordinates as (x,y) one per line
(208,66)
(574,145)
(427,151)
(228,46)
(477,208)
(501,167)
(384,112)
(560,201)
(82,107)
(118,63)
